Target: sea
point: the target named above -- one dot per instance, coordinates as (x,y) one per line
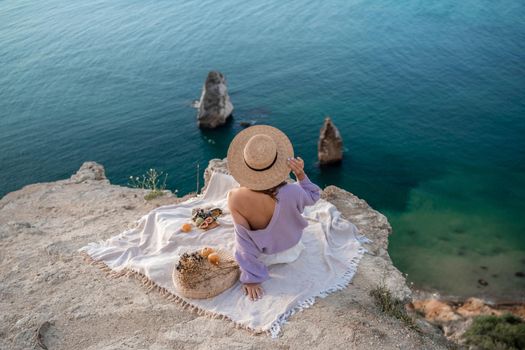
(429,97)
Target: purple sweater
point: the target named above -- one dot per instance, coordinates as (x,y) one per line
(284,230)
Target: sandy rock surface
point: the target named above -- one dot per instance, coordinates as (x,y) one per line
(47,286)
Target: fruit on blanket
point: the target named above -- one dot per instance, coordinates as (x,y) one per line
(214,258)
(186,227)
(206,251)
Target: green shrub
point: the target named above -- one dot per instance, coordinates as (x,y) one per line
(505,332)
(153,194)
(150,181)
(391,306)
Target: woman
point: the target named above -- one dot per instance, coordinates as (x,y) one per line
(266,209)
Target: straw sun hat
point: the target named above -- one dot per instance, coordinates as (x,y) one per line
(257,157)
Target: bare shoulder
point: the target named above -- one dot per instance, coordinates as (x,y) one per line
(233,194)
(239,192)
(238,195)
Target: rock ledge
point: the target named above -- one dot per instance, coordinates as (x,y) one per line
(46,282)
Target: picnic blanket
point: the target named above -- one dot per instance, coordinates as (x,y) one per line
(150,250)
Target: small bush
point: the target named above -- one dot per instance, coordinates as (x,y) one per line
(153,194)
(505,332)
(392,306)
(150,181)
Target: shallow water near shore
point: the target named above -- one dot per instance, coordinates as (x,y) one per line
(465,247)
(429,99)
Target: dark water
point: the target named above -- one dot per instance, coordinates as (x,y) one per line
(429,98)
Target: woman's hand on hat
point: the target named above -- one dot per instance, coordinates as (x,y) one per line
(254,291)
(297,166)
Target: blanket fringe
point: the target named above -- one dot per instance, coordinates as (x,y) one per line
(275,329)
(151,285)
(342,282)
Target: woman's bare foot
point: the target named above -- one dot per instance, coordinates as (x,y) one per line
(253,290)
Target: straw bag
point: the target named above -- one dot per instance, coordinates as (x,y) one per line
(195,277)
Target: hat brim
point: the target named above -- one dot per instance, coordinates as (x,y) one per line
(253,179)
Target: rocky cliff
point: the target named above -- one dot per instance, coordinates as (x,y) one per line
(49,295)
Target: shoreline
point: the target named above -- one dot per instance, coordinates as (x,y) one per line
(427,293)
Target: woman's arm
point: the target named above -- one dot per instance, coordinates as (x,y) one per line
(311,192)
(246,251)
(253,271)
(247,254)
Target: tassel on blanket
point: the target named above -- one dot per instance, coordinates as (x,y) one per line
(151,285)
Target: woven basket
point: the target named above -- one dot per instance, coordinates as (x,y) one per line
(207,280)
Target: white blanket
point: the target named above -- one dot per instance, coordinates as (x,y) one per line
(333,250)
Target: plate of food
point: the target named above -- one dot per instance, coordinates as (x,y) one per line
(205,218)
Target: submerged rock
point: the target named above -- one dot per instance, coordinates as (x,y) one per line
(246,123)
(330,145)
(215,106)
(482,282)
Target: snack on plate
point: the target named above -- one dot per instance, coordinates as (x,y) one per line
(199,221)
(195,276)
(216,212)
(206,218)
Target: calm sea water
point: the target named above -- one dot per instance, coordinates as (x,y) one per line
(429,98)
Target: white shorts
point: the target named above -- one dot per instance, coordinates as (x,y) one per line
(286,256)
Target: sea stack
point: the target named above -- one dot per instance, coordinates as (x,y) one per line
(215,106)
(330,146)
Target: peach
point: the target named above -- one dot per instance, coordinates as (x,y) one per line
(206,251)
(214,258)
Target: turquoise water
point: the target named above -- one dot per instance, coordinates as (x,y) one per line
(429,98)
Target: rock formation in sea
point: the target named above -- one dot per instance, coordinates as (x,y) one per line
(330,145)
(215,106)
(50,294)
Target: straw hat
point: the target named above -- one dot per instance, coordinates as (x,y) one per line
(257,157)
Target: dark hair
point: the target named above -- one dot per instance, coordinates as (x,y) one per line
(272,191)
